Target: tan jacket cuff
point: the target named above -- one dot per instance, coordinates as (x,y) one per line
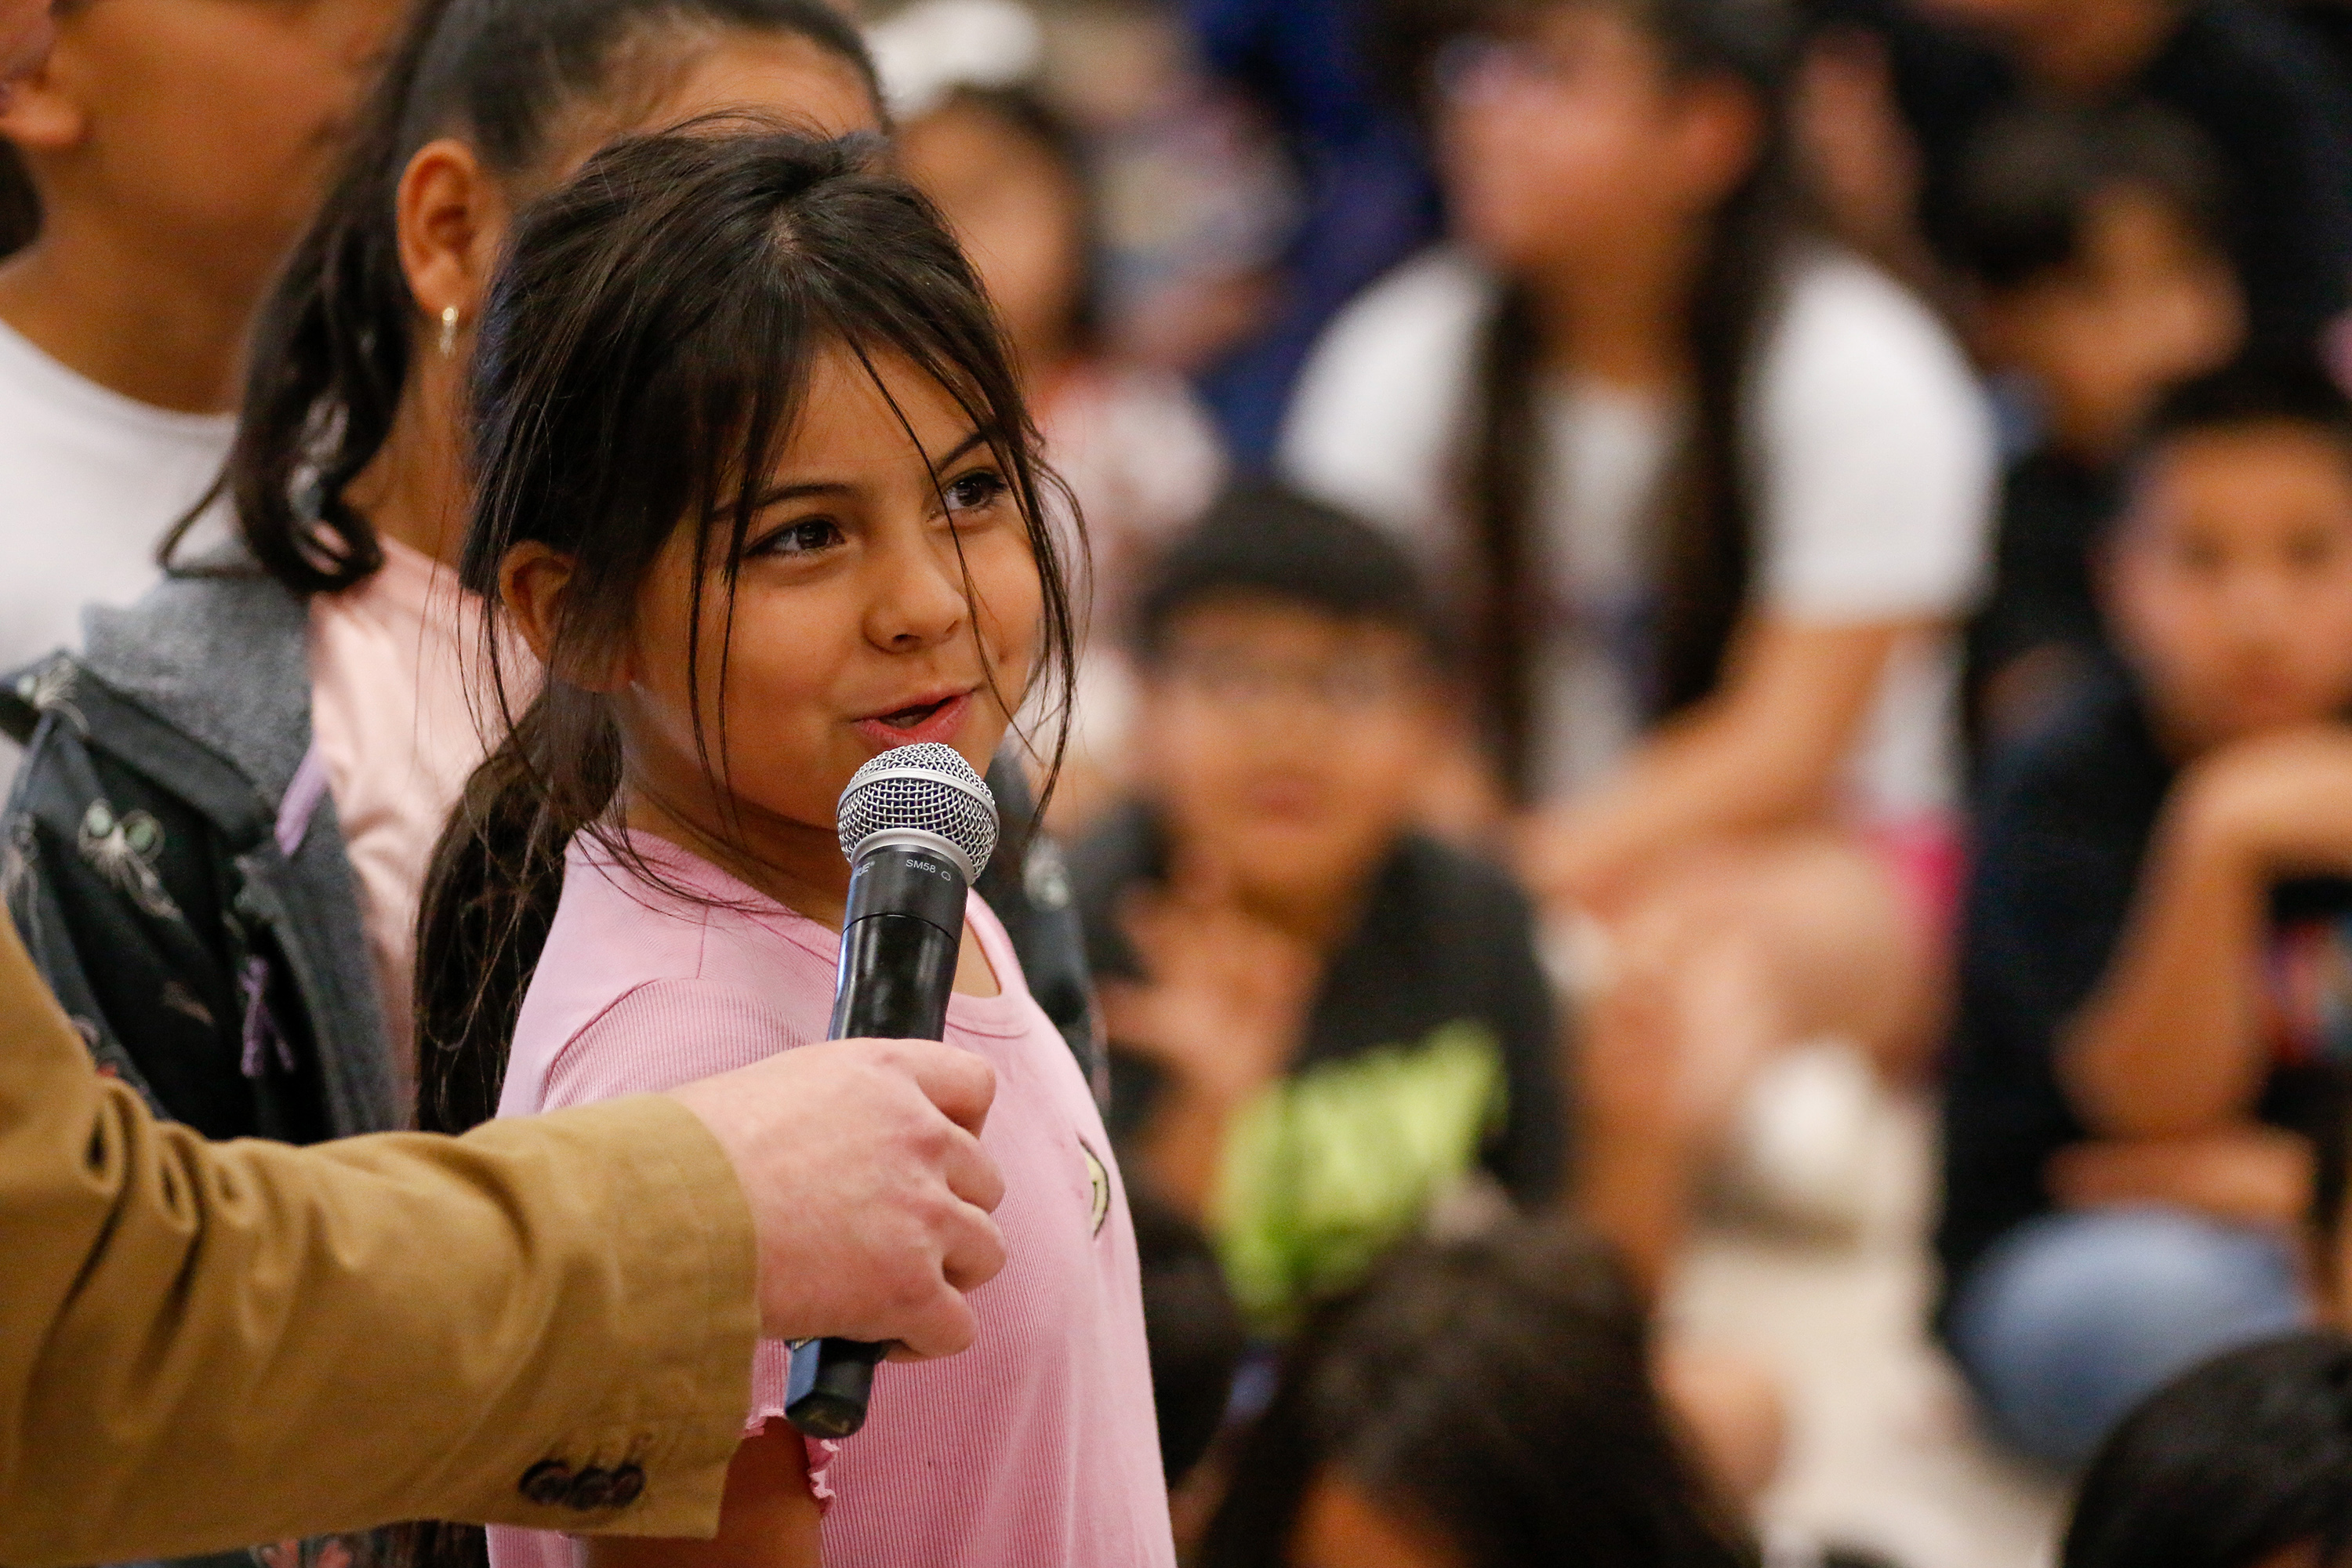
(685,1324)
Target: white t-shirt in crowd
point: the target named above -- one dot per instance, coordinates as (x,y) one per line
(89,481)
(1875,459)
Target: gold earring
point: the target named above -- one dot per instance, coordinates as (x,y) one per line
(448,332)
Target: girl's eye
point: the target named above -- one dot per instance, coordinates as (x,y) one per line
(800,538)
(976,490)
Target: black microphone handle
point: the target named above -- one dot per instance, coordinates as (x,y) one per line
(901,939)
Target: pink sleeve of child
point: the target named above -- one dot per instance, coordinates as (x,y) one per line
(657,1036)
(663,1034)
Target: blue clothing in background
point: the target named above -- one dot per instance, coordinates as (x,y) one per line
(1369,198)
(2073,1318)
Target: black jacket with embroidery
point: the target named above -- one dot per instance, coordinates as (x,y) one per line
(212,954)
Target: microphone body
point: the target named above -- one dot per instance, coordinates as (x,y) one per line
(901,937)
(899,942)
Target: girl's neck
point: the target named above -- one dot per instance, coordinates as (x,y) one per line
(147,319)
(414,489)
(798,866)
(1622,320)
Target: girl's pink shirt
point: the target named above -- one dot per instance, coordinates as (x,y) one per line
(1038,1445)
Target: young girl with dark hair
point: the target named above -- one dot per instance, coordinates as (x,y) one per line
(758,488)
(1484,1403)
(223,828)
(1711,494)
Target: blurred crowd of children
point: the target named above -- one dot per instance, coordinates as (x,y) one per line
(1666,538)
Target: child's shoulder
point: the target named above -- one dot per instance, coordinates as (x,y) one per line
(676,966)
(648,910)
(615,928)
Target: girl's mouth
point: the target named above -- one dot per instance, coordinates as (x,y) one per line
(940,721)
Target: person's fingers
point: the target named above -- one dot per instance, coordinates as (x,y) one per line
(970,1173)
(974,1250)
(867,1184)
(960,1082)
(1203,877)
(1130,1012)
(942,1326)
(1143,917)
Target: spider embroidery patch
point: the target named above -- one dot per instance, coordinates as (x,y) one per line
(124,850)
(50,689)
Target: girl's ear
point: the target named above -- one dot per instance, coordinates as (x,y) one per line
(453,217)
(532,583)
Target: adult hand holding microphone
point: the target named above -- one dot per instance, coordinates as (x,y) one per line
(869,1191)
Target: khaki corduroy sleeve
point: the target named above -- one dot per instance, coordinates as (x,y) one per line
(202,1345)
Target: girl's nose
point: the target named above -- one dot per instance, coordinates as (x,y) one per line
(921,598)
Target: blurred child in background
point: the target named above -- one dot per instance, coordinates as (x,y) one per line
(1137,451)
(1322,1021)
(2150,1045)
(1013,179)
(2092,245)
(172,150)
(2245,1462)
(1485,1402)
(1328,1029)
(1714,496)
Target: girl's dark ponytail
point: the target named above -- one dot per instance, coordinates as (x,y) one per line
(489,898)
(490,893)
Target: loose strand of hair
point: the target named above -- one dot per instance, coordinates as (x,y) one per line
(1503,473)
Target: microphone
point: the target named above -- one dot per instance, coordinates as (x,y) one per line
(917,826)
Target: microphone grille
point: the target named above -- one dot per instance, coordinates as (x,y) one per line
(928,788)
